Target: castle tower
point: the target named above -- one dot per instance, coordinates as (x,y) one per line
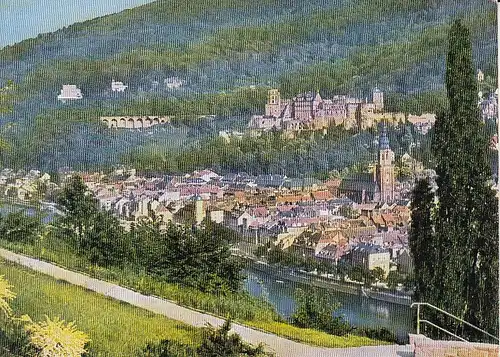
(273,106)
(378,99)
(385,167)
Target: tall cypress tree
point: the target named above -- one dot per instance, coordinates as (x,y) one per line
(421,240)
(465,250)
(467,217)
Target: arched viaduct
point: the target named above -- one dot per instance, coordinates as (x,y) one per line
(134,122)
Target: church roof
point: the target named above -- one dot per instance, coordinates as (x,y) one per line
(359,182)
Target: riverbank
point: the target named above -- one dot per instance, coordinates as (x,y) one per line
(289,274)
(242,307)
(280,345)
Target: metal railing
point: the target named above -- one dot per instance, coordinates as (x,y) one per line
(418,304)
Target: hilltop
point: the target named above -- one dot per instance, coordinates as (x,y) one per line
(228,53)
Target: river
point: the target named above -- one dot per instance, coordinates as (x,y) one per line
(6,208)
(357,310)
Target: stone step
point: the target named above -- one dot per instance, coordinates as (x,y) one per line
(426,347)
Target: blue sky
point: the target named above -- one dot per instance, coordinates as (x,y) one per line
(21,19)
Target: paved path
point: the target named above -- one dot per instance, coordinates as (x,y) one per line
(282,346)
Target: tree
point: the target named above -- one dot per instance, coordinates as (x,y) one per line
(465,260)
(378,274)
(199,258)
(51,338)
(79,207)
(394,279)
(56,338)
(7,95)
(96,233)
(216,342)
(19,227)
(422,240)
(105,242)
(315,311)
(219,343)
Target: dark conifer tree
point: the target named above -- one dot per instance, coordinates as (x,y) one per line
(465,280)
(421,240)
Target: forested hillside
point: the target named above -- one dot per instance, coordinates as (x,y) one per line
(228,53)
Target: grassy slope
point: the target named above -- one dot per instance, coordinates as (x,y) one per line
(243,309)
(115,329)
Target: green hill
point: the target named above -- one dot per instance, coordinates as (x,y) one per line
(227,53)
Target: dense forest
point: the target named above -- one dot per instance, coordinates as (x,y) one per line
(226,63)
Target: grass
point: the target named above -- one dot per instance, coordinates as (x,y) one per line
(314,337)
(115,328)
(242,308)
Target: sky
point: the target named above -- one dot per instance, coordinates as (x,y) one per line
(22,19)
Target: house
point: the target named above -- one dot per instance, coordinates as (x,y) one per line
(405,262)
(206,175)
(333,186)
(480,75)
(286,239)
(216,216)
(164,213)
(69,92)
(321,196)
(422,123)
(332,253)
(173,82)
(328,238)
(370,256)
(273,181)
(292,199)
(367,209)
(244,220)
(302,184)
(118,86)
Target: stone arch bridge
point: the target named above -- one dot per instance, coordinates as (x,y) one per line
(134,122)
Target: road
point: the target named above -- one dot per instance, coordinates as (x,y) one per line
(281,346)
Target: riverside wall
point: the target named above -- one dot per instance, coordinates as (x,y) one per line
(327,283)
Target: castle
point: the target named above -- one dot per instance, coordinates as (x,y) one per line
(308,111)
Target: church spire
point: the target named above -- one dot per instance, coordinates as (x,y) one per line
(383,139)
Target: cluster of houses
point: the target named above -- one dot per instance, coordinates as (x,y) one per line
(488,104)
(70,92)
(25,185)
(306,214)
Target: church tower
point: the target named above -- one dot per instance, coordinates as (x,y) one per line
(273,106)
(378,99)
(385,167)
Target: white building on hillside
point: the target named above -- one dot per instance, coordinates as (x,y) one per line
(118,86)
(69,92)
(173,82)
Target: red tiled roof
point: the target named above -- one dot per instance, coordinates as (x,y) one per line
(322,195)
(378,220)
(293,198)
(260,212)
(389,219)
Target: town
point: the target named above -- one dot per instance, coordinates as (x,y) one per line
(361,219)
